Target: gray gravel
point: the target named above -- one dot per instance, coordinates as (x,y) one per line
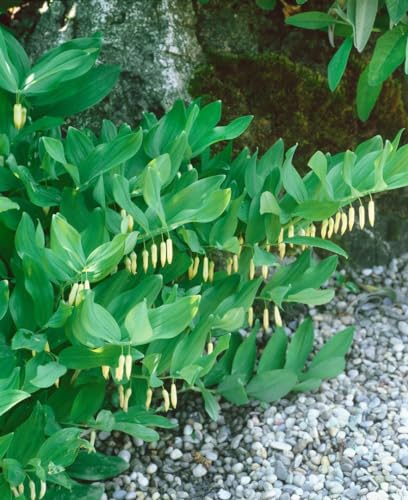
(347,440)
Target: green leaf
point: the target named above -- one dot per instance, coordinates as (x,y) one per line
(336,346)
(62,447)
(244,359)
(7,204)
(170,320)
(328,368)
(87,402)
(274,355)
(300,347)
(137,431)
(92,325)
(389,53)
(66,243)
(271,385)
(396,9)
(4,298)
(311,297)
(13,471)
(308,385)
(10,398)
(338,63)
(5,442)
(311,20)
(96,467)
(318,243)
(151,190)
(316,210)
(269,204)
(266,4)
(365,14)
(77,491)
(366,95)
(25,339)
(210,404)
(8,73)
(138,325)
(233,390)
(79,357)
(103,260)
(292,182)
(48,374)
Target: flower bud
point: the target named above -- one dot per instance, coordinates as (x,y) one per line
(130,223)
(123,213)
(20,488)
(120,368)
(235,263)
(323,229)
(211,269)
(31,485)
(43,489)
(205,268)
(105,371)
(351,217)
(337,222)
(47,347)
(121,395)
(163,252)
(210,347)
(56,383)
(196,265)
(145,260)
(19,116)
(92,439)
(265,272)
(291,233)
(154,254)
(169,250)
(277,316)
(361,216)
(75,375)
(267,247)
(15,491)
(78,298)
(133,263)
(282,250)
(229,266)
(250,316)
(124,225)
(166,400)
(87,285)
(280,237)
(241,243)
(312,231)
(190,271)
(73,294)
(371,213)
(330,228)
(128,393)
(128,366)
(266,319)
(251,269)
(128,265)
(173,395)
(344,223)
(149,395)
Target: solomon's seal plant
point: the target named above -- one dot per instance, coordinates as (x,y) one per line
(131,259)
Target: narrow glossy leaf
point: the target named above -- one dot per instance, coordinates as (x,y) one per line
(104,259)
(62,447)
(271,385)
(210,404)
(138,325)
(7,204)
(66,243)
(269,204)
(318,243)
(5,443)
(336,346)
(316,210)
(79,357)
(300,347)
(10,398)
(389,53)
(311,20)
(308,385)
(244,359)
(233,390)
(338,63)
(366,95)
(292,182)
(87,402)
(365,14)
(274,355)
(137,431)
(8,73)
(96,467)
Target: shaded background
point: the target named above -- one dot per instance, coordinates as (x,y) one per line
(233,51)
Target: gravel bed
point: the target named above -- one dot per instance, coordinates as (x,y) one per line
(348,439)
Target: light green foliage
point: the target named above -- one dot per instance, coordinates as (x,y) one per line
(355,21)
(130,259)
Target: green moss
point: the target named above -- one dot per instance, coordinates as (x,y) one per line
(292,100)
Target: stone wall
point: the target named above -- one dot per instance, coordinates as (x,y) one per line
(234,51)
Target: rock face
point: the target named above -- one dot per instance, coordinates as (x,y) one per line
(154,42)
